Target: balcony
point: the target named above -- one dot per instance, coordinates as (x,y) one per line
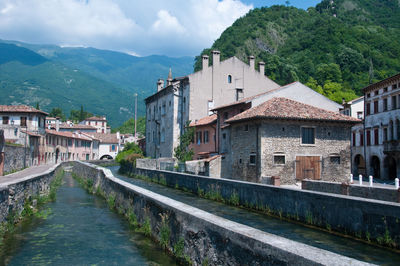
(391,146)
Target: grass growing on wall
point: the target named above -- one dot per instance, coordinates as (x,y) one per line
(31,207)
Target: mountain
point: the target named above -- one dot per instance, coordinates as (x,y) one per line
(336,48)
(104,82)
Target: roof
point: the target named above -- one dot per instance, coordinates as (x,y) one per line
(382,83)
(104,138)
(248,99)
(283,108)
(68,134)
(20,109)
(76,126)
(204,121)
(355,100)
(96,118)
(50,118)
(32,134)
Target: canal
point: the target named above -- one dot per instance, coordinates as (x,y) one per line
(79,229)
(297,232)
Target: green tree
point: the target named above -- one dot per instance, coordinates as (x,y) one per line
(182,152)
(79,115)
(37,106)
(128,127)
(57,112)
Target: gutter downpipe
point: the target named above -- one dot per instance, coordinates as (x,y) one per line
(365,136)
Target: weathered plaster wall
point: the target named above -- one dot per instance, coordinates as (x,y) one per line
(206,237)
(355,216)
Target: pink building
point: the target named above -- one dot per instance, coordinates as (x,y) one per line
(205,144)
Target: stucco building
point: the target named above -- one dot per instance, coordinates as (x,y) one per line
(192,97)
(377,144)
(292,140)
(205,143)
(100,123)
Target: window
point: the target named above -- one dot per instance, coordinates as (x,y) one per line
(239,94)
(246,127)
(361,139)
(229,79)
(279,159)
(169,103)
(394,86)
(95,123)
(368,95)
(224,135)
(307,135)
(252,159)
(385,134)
(376,107)
(70,143)
(23,121)
(354,139)
(113,148)
(335,159)
(198,137)
(368,138)
(360,115)
(385,89)
(206,140)
(376,92)
(163,135)
(376,136)
(163,110)
(16,131)
(394,102)
(385,104)
(5,120)
(225,115)
(368,105)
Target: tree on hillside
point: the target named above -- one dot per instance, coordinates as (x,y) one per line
(79,115)
(128,127)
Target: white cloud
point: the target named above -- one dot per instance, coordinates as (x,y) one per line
(167,24)
(174,27)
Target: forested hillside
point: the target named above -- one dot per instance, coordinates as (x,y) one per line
(336,48)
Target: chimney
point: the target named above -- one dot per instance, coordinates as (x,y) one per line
(160,84)
(251,61)
(205,61)
(215,57)
(261,66)
(57,123)
(169,79)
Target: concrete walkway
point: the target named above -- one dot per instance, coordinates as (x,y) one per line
(26,172)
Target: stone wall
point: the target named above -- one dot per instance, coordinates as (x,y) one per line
(14,193)
(267,139)
(363,218)
(378,193)
(207,238)
(14,158)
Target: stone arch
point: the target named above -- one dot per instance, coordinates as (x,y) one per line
(57,154)
(106,157)
(375,167)
(359,165)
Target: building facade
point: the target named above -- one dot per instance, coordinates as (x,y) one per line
(377,144)
(292,140)
(100,123)
(192,97)
(205,143)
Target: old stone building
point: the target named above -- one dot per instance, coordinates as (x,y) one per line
(192,97)
(292,140)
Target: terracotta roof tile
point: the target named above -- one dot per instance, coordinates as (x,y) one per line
(19,109)
(67,134)
(283,108)
(204,121)
(96,118)
(104,138)
(76,126)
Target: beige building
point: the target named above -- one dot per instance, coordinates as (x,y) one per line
(100,123)
(192,97)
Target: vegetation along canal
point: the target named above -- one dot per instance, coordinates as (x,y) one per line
(79,229)
(310,236)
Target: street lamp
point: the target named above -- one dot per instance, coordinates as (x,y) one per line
(135,114)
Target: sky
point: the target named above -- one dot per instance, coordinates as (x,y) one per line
(141,28)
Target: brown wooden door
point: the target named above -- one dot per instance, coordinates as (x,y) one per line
(308,167)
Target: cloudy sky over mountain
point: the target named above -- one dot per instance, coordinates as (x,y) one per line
(173,27)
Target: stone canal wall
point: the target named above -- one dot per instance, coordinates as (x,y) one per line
(14,193)
(206,238)
(379,193)
(368,219)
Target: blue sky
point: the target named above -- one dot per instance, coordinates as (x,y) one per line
(137,27)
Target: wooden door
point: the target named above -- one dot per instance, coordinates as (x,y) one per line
(308,167)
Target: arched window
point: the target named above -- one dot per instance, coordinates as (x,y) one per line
(229,79)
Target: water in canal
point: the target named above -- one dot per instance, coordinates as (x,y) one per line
(79,230)
(310,236)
